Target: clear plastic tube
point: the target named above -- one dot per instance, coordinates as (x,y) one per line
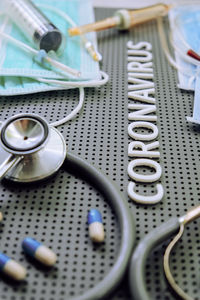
(34,24)
(124,19)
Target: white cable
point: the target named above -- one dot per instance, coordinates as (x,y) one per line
(74,112)
(166,49)
(91,83)
(74,84)
(164,43)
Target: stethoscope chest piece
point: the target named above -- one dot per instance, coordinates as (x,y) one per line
(30,149)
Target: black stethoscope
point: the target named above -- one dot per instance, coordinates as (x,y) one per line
(33,150)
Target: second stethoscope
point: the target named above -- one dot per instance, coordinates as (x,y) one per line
(146,245)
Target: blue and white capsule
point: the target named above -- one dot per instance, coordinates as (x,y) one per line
(11,268)
(96,230)
(38,251)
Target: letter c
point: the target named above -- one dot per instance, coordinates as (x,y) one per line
(145,199)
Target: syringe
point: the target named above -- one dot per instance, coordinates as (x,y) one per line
(124,19)
(34,24)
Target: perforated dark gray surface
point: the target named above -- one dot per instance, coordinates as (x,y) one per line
(55,212)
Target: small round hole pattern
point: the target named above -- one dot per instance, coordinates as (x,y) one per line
(55,211)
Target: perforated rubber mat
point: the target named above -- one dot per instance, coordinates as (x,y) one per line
(55,211)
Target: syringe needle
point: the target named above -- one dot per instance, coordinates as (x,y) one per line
(124,19)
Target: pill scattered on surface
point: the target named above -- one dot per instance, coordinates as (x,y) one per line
(96,230)
(1,217)
(40,252)
(11,268)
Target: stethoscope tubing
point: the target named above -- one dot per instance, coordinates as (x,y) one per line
(139,258)
(88,172)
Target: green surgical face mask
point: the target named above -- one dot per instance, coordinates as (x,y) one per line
(18,69)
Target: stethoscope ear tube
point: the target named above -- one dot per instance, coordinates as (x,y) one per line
(9,162)
(141,253)
(82,168)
